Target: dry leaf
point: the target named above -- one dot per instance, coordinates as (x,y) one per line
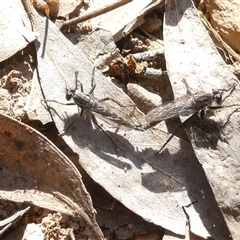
(97,154)
(123,20)
(154,187)
(48,8)
(224,16)
(68,7)
(192,57)
(34,170)
(8,222)
(14,35)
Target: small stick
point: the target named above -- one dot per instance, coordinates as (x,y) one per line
(94,13)
(149,55)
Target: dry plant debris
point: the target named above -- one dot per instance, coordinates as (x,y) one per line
(48,8)
(146,55)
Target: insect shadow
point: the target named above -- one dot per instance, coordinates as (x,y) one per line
(204,132)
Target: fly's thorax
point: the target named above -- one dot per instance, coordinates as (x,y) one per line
(83,100)
(202,101)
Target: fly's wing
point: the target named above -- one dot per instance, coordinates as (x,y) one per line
(114,114)
(182,106)
(116,122)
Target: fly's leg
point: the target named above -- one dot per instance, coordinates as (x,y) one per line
(67,128)
(93,84)
(172,135)
(44,100)
(115,145)
(189,89)
(92,89)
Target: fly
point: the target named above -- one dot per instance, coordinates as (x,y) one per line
(180,107)
(108,113)
(185,106)
(87,102)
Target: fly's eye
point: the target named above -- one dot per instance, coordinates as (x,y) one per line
(217,96)
(219,99)
(69,94)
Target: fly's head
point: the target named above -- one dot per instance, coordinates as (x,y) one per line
(217,97)
(69,94)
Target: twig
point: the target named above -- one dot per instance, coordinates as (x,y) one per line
(94,13)
(149,55)
(153,73)
(29,10)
